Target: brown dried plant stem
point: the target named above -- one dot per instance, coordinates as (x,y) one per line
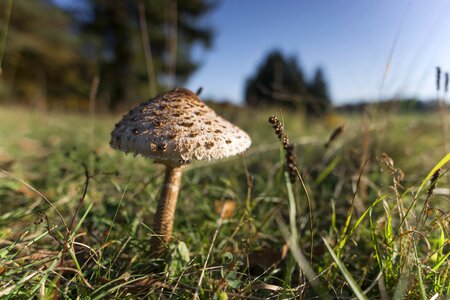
(4,33)
(172,43)
(153,86)
(69,232)
(163,222)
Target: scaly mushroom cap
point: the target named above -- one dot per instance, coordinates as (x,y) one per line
(176,127)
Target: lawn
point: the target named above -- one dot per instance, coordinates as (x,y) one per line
(371,219)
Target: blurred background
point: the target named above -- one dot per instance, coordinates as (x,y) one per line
(307,55)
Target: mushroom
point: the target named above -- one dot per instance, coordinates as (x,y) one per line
(175,128)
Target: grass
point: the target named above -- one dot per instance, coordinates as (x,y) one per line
(242,230)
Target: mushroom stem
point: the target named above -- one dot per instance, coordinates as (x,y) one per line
(163,221)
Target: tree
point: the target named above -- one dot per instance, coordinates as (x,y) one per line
(55,52)
(277,80)
(172,28)
(109,29)
(319,92)
(280,81)
(42,57)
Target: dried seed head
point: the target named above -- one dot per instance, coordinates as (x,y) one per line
(433,182)
(289,149)
(446,82)
(438,78)
(334,135)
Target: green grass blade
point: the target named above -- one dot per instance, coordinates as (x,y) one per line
(81,221)
(440,262)
(301,260)
(402,286)
(328,170)
(419,274)
(439,165)
(358,222)
(375,242)
(350,280)
(47,273)
(292,207)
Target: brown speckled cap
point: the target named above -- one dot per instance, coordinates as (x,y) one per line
(177,127)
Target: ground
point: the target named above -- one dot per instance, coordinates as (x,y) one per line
(76,216)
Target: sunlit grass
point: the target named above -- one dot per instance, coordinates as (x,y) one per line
(386,235)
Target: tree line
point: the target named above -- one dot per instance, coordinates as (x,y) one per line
(280,79)
(134,48)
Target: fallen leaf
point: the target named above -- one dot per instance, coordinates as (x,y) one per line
(225,208)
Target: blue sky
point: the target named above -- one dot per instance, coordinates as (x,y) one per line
(353,40)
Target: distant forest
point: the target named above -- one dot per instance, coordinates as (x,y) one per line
(399,105)
(280,80)
(123,52)
(127,49)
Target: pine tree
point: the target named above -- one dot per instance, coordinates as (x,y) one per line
(54,52)
(42,60)
(318,90)
(277,80)
(173,30)
(280,81)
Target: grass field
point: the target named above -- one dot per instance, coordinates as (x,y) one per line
(376,229)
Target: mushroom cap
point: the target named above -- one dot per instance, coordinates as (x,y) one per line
(175,128)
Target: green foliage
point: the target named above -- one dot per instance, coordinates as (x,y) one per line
(115,32)
(42,55)
(52,54)
(386,234)
(280,80)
